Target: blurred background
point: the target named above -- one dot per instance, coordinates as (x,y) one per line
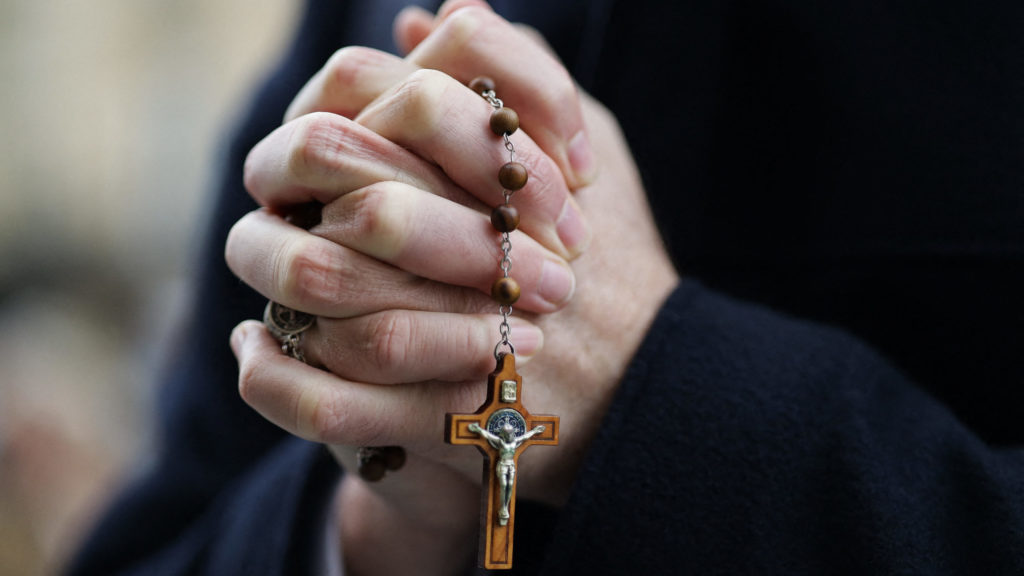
(112,116)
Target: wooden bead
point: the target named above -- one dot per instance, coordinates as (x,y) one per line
(372,469)
(481,84)
(504,121)
(505,291)
(512,176)
(505,218)
(393,456)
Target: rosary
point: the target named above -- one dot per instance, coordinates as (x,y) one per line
(501,428)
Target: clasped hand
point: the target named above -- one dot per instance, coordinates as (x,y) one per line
(399,267)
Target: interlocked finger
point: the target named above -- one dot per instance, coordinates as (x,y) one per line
(321,157)
(352,78)
(402,346)
(303,271)
(465,40)
(443,241)
(321,407)
(445,123)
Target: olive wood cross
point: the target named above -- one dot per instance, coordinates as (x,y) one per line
(501,429)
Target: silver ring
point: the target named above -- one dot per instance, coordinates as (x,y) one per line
(287,326)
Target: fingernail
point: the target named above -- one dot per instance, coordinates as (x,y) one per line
(581,158)
(572,228)
(526,337)
(557,283)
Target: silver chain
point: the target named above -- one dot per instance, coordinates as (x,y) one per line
(292,346)
(504,329)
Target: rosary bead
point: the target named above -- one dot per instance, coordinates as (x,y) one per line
(512,176)
(372,469)
(481,84)
(504,121)
(505,218)
(393,456)
(505,291)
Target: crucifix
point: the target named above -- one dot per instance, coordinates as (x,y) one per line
(501,429)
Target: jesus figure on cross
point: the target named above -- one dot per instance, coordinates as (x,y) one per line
(506,444)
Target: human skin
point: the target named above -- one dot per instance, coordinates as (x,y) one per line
(399,268)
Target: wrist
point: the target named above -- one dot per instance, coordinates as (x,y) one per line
(379,539)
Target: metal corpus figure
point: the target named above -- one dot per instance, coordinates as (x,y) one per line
(506,444)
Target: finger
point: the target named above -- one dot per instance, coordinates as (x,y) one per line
(538,39)
(303,271)
(443,241)
(400,346)
(443,122)
(322,407)
(412,25)
(473,41)
(353,77)
(451,6)
(321,156)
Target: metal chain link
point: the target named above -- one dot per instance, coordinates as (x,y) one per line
(504,329)
(292,346)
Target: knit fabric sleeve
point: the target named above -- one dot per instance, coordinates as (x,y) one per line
(744,442)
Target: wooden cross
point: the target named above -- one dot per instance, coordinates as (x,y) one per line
(502,410)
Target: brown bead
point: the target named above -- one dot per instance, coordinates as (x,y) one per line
(504,121)
(505,291)
(481,84)
(512,176)
(372,469)
(393,456)
(505,218)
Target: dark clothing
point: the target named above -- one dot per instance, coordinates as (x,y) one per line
(856,164)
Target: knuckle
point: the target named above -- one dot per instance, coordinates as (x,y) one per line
(345,65)
(318,418)
(315,145)
(388,338)
(546,182)
(462,25)
(307,271)
(326,418)
(559,92)
(379,216)
(464,300)
(421,102)
(368,430)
